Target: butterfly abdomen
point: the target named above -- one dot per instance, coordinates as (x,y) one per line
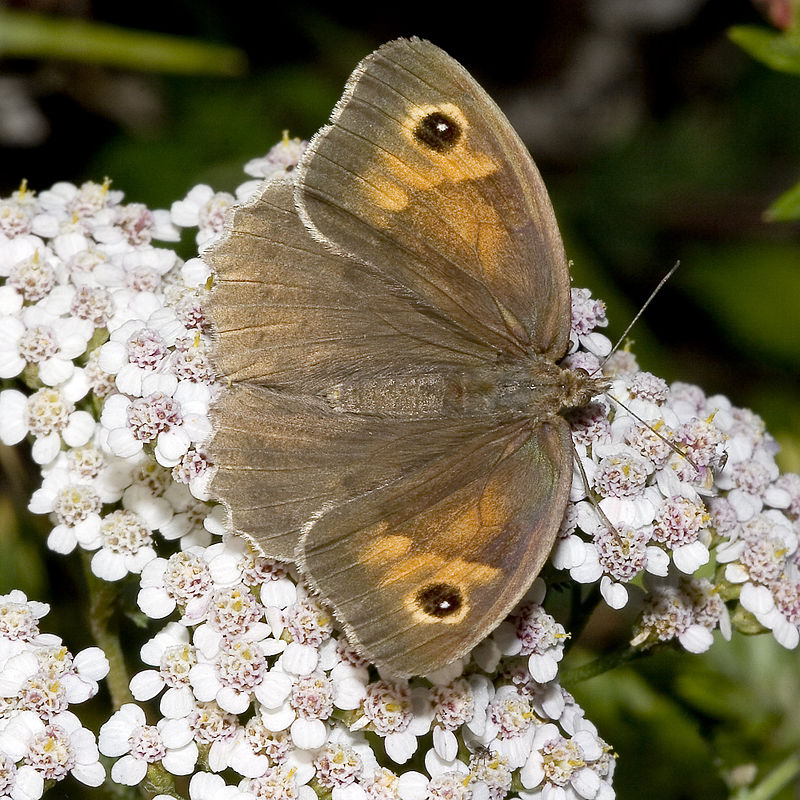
(409,396)
(537,390)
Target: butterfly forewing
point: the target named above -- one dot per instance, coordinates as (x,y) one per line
(288,312)
(421,175)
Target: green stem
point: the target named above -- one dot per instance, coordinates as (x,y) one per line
(580,611)
(159,781)
(598,666)
(29,35)
(786,772)
(103,624)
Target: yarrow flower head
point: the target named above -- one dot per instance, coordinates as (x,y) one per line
(127,734)
(41,739)
(246,671)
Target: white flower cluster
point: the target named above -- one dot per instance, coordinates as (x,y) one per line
(250,642)
(683,478)
(106,342)
(41,740)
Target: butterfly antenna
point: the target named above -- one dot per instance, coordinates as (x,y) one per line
(592,499)
(672,446)
(640,312)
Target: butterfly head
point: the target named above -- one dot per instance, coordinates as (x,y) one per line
(579,387)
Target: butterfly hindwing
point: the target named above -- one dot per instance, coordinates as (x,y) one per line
(421,569)
(283,460)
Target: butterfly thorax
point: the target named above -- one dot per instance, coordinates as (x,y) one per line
(540,389)
(536,389)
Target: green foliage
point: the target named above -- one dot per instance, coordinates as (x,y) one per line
(779,51)
(214,127)
(787,207)
(755,305)
(707,722)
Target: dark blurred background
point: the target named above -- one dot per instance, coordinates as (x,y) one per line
(659,140)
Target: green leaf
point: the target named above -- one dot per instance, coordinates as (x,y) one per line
(26,35)
(785,208)
(780,51)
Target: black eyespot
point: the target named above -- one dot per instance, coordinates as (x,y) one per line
(440,600)
(438,131)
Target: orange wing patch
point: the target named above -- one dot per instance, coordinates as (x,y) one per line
(392,182)
(437,585)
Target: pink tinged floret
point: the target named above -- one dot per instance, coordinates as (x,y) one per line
(94,304)
(649,388)
(787,599)
(136,221)
(590,424)
(493,771)
(186,578)
(19,620)
(622,552)
(338,765)
(537,630)
(37,343)
(587,313)
(679,521)
(282,158)
(192,315)
(33,277)
(209,723)
(275,745)
(51,753)
(621,476)
(192,465)
(146,348)
(234,610)
(15,217)
(510,712)
(149,416)
(387,706)
(47,412)
(241,666)
(190,362)
(454,704)
(312,696)
(651,442)
(75,503)
(308,622)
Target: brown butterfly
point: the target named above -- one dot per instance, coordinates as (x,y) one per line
(389,323)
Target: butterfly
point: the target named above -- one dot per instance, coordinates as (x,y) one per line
(389,320)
